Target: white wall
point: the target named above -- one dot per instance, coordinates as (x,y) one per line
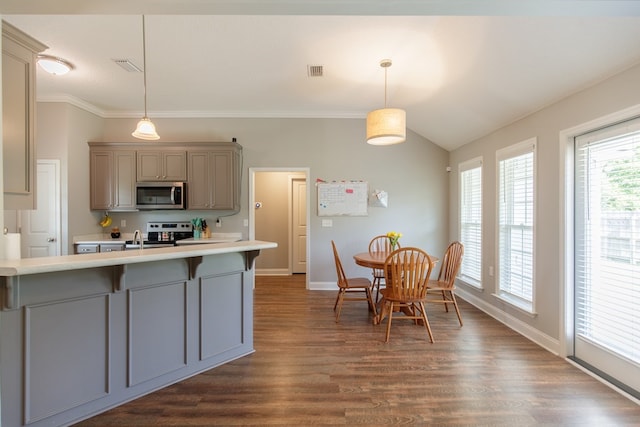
(614,94)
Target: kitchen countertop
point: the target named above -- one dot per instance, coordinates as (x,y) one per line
(102,239)
(23,266)
(215,238)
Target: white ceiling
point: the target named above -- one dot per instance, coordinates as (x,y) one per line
(459,77)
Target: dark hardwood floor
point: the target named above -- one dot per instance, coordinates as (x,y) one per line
(308,370)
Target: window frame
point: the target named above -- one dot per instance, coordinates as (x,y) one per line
(466,166)
(516,150)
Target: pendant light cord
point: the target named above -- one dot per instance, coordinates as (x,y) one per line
(385,86)
(385,63)
(144,67)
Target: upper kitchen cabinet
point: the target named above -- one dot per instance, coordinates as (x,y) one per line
(162,165)
(112,179)
(214,177)
(19,53)
(212,170)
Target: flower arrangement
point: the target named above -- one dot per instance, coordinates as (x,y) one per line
(393,239)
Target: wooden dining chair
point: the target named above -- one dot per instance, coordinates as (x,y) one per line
(382,244)
(407,272)
(445,284)
(350,286)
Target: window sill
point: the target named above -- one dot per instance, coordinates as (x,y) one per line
(522,306)
(471,283)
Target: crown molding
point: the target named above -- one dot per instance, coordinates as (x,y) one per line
(186,114)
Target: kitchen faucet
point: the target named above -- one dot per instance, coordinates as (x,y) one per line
(138,234)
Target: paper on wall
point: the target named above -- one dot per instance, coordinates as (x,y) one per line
(379,199)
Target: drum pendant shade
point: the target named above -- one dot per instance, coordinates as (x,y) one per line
(386,126)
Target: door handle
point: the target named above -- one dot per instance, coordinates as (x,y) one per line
(51,239)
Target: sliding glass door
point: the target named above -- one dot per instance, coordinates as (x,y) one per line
(607,253)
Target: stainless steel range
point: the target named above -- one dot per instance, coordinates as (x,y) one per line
(169,231)
(165,233)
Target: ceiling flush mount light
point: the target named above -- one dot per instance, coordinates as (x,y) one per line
(386,126)
(53,65)
(145,128)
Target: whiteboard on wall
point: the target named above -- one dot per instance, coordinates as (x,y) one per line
(342,198)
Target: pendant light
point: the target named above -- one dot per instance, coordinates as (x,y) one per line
(145,129)
(386,126)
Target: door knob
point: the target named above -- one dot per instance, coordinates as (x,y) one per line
(51,239)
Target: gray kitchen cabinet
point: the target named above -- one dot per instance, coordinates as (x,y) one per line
(18,117)
(86,248)
(161,166)
(111,247)
(113,179)
(214,179)
(92,248)
(212,171)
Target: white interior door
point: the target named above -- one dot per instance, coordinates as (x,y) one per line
(40,228)
(299,226)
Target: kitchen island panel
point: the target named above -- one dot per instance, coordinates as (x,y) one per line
(96,331)
(56,286)
(222,314)
(157,331)
(67,350)
(167,271)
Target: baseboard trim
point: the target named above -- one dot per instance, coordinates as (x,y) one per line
(543,340)
(323,286)
(272,272)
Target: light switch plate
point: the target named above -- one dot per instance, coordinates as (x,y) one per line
(327,223)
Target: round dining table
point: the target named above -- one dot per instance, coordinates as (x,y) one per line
(377,259)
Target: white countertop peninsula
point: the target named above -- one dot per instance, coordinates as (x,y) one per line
(84,333)
(75,262)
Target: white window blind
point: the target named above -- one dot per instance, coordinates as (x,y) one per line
(516,200)
(471,221)
(607,256)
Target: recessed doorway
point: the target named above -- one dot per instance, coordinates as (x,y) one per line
(279,212)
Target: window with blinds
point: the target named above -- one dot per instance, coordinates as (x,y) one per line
(607,239)
(471,221)
(516,200)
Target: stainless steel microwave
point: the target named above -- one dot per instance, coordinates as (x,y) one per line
(161,195)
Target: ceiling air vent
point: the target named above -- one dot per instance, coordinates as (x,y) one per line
(314,70)
(127,65)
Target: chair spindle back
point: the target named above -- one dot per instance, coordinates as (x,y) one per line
(342,278)
(451,263)
(407,272)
